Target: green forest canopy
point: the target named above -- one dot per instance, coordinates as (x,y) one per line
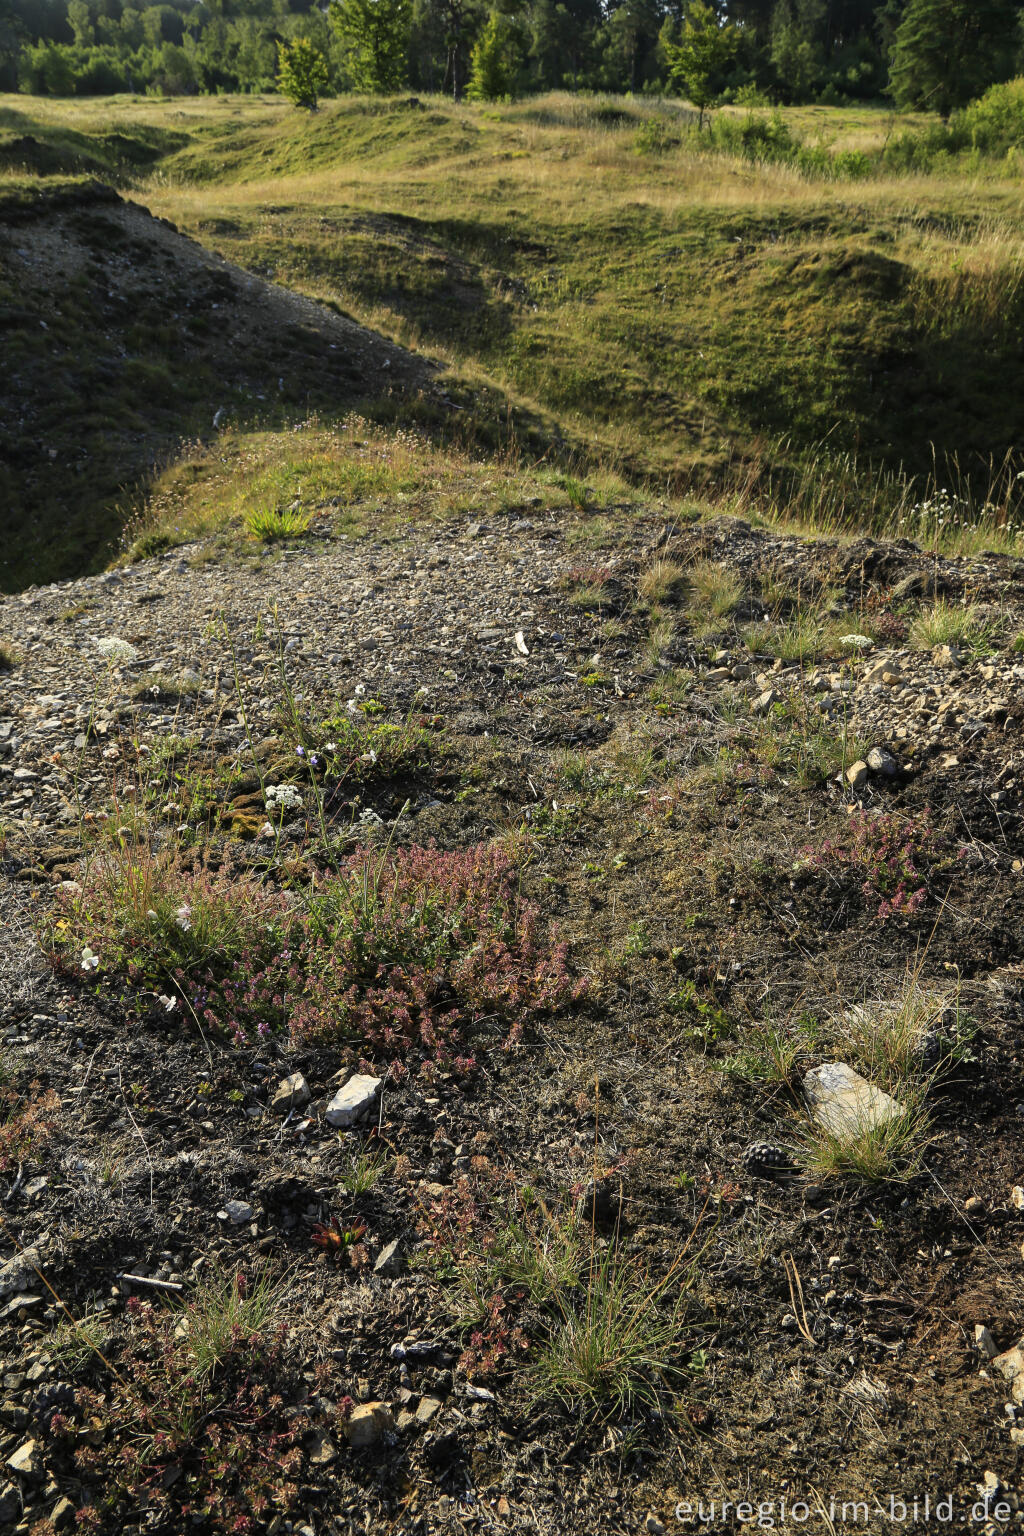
(928,53)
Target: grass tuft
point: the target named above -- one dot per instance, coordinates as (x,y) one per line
(271,525)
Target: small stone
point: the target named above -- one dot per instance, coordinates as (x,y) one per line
(319,1449)
(947,656)
(984,1343)
(236,1211)
(427,1409)
(857,774)
(845,1103)
(290,1093)
(1017,1197)
(19,1273)
(883,672)
(975,1206)
(765,701)
(353,1101)
(881,760)
(62,1514)
(1010,1364)
(367,1424)
(390,1259)
(654,1527)
(26,1461)
(719,675)
(1017,1436)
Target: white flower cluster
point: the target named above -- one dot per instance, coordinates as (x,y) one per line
(283,797)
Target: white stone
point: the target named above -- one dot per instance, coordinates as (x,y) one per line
(367,1423)
(857,774)
(291,1092)
(19,1273)
(846,1104)
(984,1343)
(237,1211)
(26,1461)
(353,1101)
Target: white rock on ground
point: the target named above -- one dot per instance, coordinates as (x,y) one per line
(26,1461)
(844,1103)
(353,1101)
(291,1092)
(237,1211)
(19,1273)
(368,1423)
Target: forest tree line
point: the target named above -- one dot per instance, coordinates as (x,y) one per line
(927,53)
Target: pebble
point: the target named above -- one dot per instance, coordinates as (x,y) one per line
(390,1259)
(353,1101)
(368,1424)
(984,1343)
(845,1103)
(881,760)
(290,1093)
(237,1212)
(27,1460)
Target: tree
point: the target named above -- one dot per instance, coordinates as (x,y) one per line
(704,49)
(496,62)
(374,35)
(796,47)
(946,52)
(302,72)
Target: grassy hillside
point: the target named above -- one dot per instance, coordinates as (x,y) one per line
(680,309)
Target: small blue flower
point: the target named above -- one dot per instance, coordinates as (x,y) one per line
(301,751)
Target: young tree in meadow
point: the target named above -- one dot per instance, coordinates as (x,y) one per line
(946,52)
(302,73)
(374,36)
(696,62)
(496,63)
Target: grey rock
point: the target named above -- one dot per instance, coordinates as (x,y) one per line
(846,1104)
(353,1101)
(881,760)
(19,1273)
(390,1259)
(984,1343)
(290,1093)
(368,1424)
(26,1461)
(237,1212)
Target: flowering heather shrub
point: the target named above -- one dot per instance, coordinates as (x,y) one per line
(216,1452)
(161,923)
(401,955)
(889,628)
(407,953)
(892,853)
(24,1123)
